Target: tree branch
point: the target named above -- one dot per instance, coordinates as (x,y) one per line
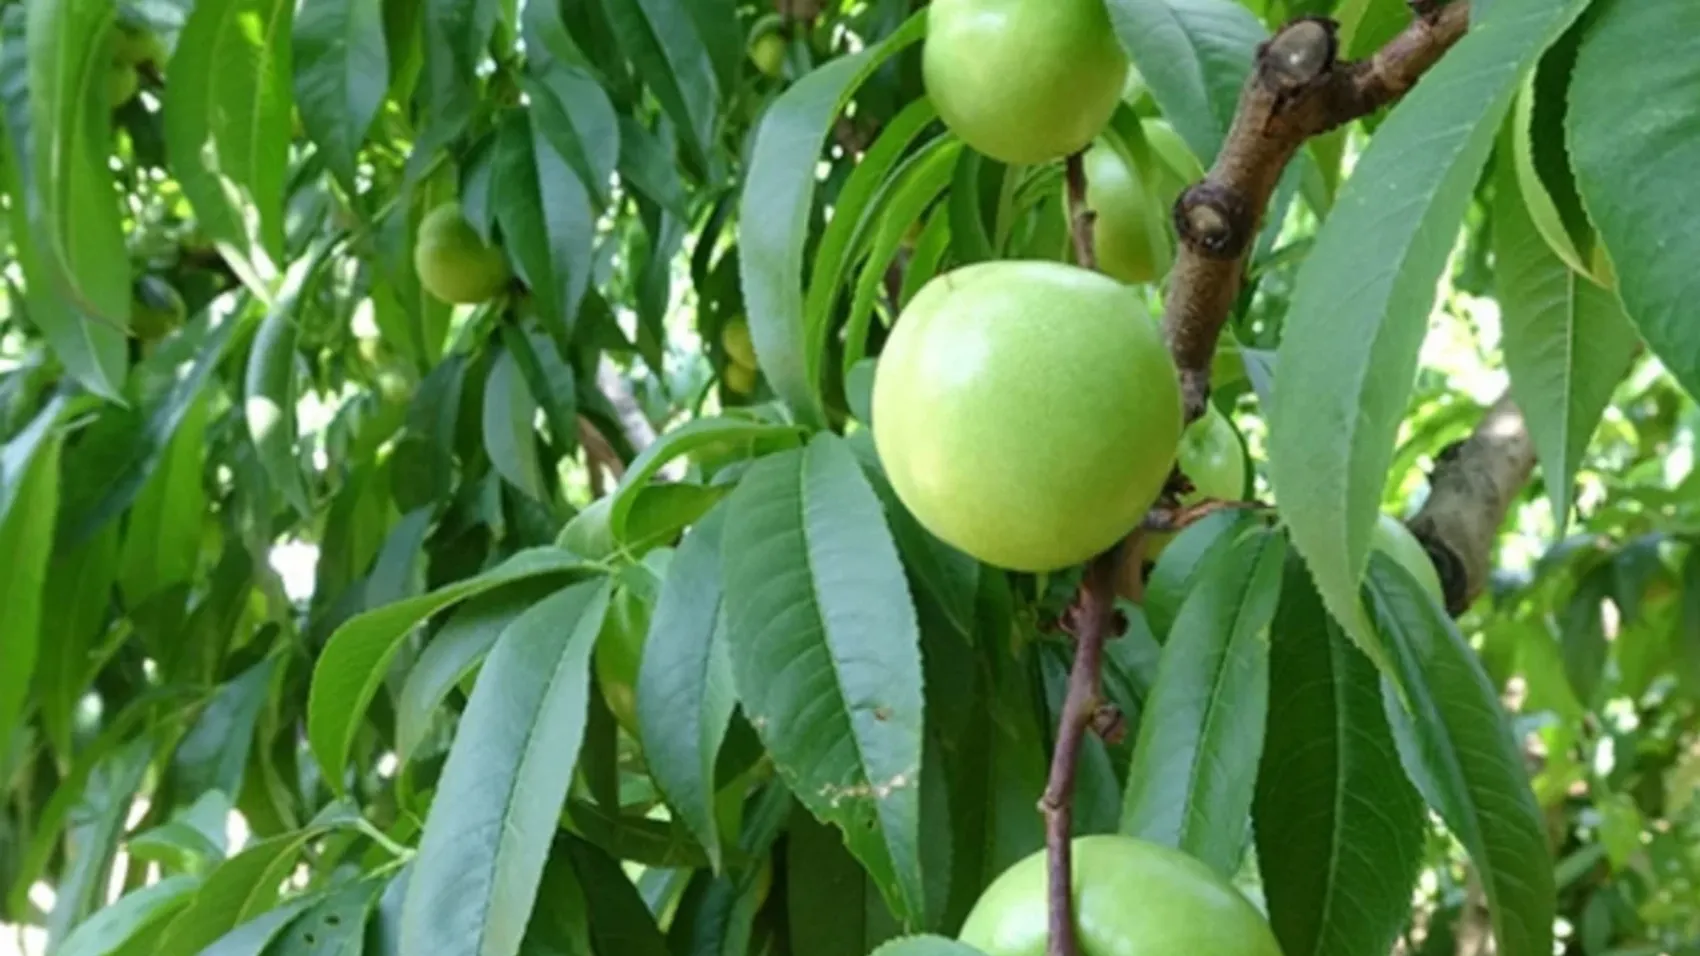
(1297,90)
(1470,493)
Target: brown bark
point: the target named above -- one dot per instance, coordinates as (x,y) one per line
(1471,491)
(1297,90)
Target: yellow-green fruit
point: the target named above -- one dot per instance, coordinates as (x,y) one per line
(1131,226)
(1212,457)
(1026,412)
(740,378)
(454,264)
(767,52)
(122,82)
(133,46)
(1023,81)
(1397,542)
(1131,898)
(735,339)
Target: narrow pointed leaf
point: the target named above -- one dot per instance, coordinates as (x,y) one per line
(825,652)
(662,42)
(1194,769)
(1339,828)
(684,692)
(69,60)
(228,117)
(547,224)
(1456,745)
(774,215)
(497,807)
(108,931)
(1629,162)
(164,535)
(29,505)
(510,434)
(342,71)
(1195,55)
(239,890)
(1362,298)
(1567,343)
(691,436)
(355,659)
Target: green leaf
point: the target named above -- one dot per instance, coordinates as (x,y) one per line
(662,41)
(333,926)
(1583,635)
(684,690)
(456,35)
(619,921)
(213,755)
(1185,557)
(29,505)
(487,837)
(1362,298)
(255,936)
(510,430)
(1628,162)
(270,395)
(79,581)
(926,946)
(551,381)
(853,212)
(1567,343)
(774,216)
(342,72)
(164,535)
(454,653)
(1194,770)
(1367,24)
(547,224)
(833,907)
(108,930)
(1195,55)
(1541,160)
(72,122)
(825,652)
(93,350)
(1339,827)
(228,118)
(1456,745)
(694,435)
(578,119)
(356,658)
(96,827)
(562,925)
(239,890)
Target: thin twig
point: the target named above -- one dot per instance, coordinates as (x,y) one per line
(1093,619)
(1080,216)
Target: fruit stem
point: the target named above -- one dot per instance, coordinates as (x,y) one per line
(1093,620)
(1080,217)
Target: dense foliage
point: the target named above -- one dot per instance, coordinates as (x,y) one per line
(450,502)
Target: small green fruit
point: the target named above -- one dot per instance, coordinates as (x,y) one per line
(1023,81)
(134,46)
(156,308)
(735,339)
(1397,542)
(1026,412)
(1213,458)
(1131,227)
(741,379)
(454,264)
(1131,898)
(767,47)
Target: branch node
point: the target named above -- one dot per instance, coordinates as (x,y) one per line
(1301,53)
(1214,220)
(1109,723)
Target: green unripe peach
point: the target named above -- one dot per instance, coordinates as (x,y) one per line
(1026,412)
(767,47)
(122,83)
(156,308)
(735,339)
(454,264)
(1023,81)
(741,379)
(1212,457)
(1130,226)
(1397,542)
(1131,898)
